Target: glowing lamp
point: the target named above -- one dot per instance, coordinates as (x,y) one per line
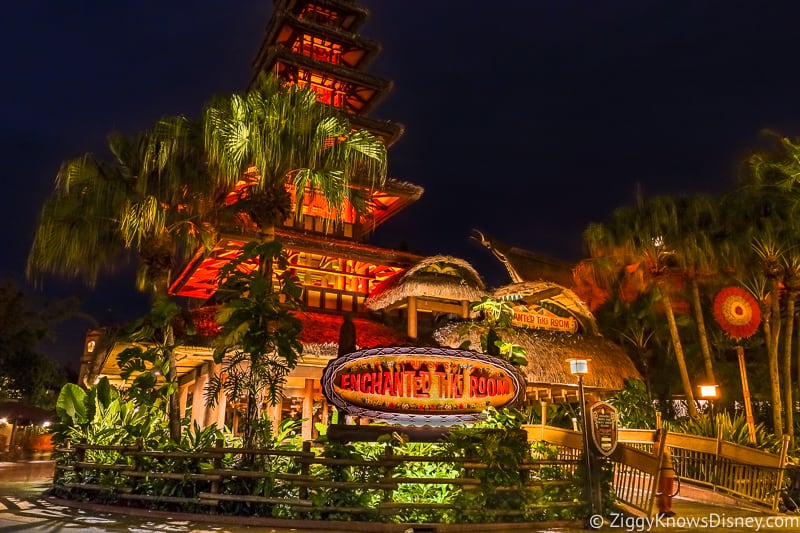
(708,391)
(578,367)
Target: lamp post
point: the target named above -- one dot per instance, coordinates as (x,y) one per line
(710,393)
(579,368)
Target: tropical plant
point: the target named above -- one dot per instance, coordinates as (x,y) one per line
(154,198)
(634,406)
(497,316)
(258,344)
(101,416)
(730,429)
(146,364)
(277,145)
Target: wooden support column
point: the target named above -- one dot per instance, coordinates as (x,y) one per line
(308,410)
(464,309)
(276,415)
(412,317)
(215,415)
(185,383)
(326,416)
(199,396)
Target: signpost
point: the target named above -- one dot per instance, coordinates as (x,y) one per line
(603,417)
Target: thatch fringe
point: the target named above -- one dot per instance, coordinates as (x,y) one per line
(438,276)
(552,292)
(549,353)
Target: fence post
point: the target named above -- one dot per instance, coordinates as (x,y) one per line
(80,457)
(388,472)
(217,462)
(717,455)
(779,478)
(305,469)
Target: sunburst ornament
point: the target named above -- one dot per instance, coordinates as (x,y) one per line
(737,312)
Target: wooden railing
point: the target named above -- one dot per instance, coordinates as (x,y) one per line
(635,469)
(299,484)
(740,471)
(752,475)
(306,485)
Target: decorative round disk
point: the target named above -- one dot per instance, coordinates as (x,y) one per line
(737,312)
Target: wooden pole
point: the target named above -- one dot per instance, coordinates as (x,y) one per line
(748,408)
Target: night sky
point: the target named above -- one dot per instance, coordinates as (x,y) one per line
(527,119)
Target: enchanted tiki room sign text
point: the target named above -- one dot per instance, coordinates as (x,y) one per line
(420,385)
(530,316)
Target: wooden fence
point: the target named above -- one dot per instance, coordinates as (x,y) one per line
(753,475)
(740,471)
(304,485)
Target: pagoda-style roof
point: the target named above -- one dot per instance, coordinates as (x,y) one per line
(344,14)
(393,197)
(439,277)
(320,333)
(315,45)
(199,278)
(285,29)
(387,130)
(363,91)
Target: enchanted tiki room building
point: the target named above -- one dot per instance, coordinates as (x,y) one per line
(396,298)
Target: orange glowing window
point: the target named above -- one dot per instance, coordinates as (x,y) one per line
(315,205)
(318,48)
(331,91)
(320,15)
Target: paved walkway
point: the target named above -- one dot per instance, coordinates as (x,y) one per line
(24,508)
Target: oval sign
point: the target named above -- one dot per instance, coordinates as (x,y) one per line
(603,418)
(420,385)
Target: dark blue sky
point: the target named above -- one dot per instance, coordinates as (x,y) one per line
(527,119)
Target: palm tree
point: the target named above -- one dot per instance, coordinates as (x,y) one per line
(791,281)
(696,256)
(276,144)
(283,134)
(644,234)
(151,202)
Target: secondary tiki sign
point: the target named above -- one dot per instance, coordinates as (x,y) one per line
(535,316)
(420,385)
(603,417)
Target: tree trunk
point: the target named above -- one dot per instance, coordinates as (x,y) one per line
(787,367)
(702,332)
(772,326)
(676,342)
(266,234)
(174,398)
(160,268)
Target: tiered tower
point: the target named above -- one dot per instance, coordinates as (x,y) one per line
(314,44)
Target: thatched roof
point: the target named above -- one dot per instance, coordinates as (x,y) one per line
(525,265)
(546,293)
(549,352)
(439,276)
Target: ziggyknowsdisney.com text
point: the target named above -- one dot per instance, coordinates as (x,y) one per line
(712,520)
